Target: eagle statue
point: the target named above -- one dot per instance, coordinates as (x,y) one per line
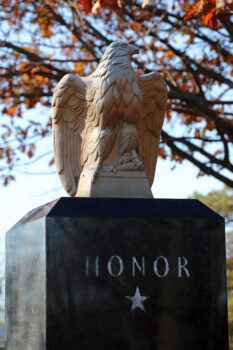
(108,122)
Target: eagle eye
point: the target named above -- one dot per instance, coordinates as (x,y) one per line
(123,46)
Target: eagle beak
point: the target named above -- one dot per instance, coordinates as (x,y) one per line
(133,49)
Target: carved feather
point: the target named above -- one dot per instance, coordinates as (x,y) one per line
(154,91)
(68,118)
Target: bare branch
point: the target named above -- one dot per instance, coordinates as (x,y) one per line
(202,166)
(30,55)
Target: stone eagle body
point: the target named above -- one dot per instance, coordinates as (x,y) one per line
(109,122)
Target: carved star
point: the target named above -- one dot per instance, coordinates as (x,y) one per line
(137,300)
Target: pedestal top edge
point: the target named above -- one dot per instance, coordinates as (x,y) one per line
(132,207)
(121,207)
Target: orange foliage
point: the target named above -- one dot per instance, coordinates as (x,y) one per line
(207,10)
(136,25)
(95,6)
(31,150)
(11,111)
(52,161)
(87,6)
(162,152)
(170,54)
(219,151)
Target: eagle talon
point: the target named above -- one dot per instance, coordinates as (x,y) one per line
(129,166)
(130,161)
(138,164)
(108,168)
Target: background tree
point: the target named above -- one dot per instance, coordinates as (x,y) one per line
(221,201)
(189,43)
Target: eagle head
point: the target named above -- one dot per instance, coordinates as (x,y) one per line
(120,49)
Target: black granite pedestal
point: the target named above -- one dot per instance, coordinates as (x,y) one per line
(117,274)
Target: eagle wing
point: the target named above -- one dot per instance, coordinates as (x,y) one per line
(68,119)
(154,92)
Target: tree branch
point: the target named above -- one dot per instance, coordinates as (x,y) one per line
(73,29)
(196,162)
(197,104)
(30,55)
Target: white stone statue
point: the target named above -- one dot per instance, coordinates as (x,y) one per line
(106,127)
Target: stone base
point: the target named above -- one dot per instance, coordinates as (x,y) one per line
(117,274)
(122,184)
